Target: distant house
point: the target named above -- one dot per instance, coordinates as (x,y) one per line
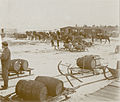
(85,30)
(89,29)
(68,29)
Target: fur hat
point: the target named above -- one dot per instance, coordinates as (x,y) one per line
(4,43)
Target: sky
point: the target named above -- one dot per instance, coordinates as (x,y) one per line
(54,14)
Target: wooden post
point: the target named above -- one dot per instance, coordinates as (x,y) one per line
(117,49)
(118,69)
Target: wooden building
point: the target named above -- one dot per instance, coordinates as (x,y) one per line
(68,29)
(85,30)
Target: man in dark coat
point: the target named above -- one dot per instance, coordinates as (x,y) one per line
(58,39)
(5,63)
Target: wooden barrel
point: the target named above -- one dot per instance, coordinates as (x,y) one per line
(54,86)
(24,64)
(19,87)
(31,90)
(15,65)
(86,62)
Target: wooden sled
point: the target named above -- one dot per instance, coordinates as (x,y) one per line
(12,73)
(65,95)
(68,71)
(19,73)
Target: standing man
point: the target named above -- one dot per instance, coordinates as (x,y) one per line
(58,39)
(5,63)
(92,38)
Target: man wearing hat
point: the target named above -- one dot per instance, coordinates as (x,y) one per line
(5,63)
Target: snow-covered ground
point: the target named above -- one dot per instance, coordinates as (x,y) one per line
(44,59)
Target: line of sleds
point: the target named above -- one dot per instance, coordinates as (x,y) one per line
(50,89)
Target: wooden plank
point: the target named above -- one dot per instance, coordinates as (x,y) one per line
(112,89)
(109,92)
(20,76)
(114,85)
(103,95)
(98,98)
(117,84)
(113,94)
(118,80)
(117,89)
(17,77)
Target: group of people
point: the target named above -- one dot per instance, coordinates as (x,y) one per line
(5,64)
(55,37)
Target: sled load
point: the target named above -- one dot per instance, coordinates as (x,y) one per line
(86,66)
(54,86)
(19,66)
(88,62)
(77,46)
(45,88)
(40,89)
(31,90)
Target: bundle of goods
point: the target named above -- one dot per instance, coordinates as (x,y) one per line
(39,89)
(89,61)
(31,90)
(79,47)
(54,86)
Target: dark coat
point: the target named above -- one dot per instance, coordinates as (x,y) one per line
(5,62)
(5,58)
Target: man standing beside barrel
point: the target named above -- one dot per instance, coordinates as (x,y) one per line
(5,63)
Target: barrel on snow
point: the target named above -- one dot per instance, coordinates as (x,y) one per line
(18,64)
(15,65)
(88,62)
(54,86)
(31,90)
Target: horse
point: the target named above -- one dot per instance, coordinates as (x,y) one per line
(29,33)
(101,37)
